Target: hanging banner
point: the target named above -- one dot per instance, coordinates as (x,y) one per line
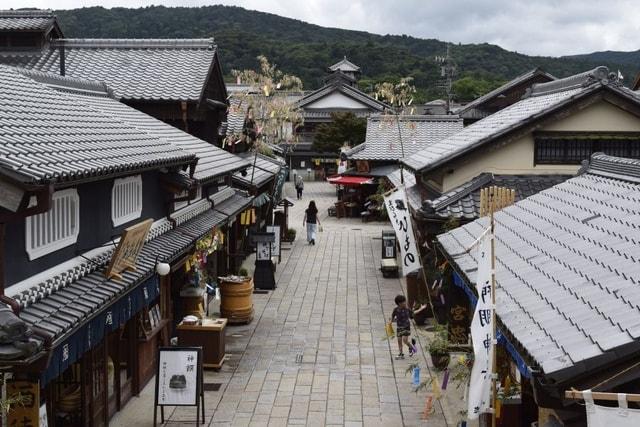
(604,416)
(396,205)
(482,334)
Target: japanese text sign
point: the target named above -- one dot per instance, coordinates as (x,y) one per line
(400,217)
(482,334)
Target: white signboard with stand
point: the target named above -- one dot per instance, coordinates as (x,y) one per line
(275,246)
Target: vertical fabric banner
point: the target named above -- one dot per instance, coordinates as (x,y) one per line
(396,205)
(482,334)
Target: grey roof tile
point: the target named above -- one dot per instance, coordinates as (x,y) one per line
(567,288)
(136,69)
(544,98)
(212,161)
(464,200)
(26,20)
(261,169)
(383,140)
(50,135)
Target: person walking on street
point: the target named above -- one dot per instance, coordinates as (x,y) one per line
(312,221)
(299,186)
(402,315)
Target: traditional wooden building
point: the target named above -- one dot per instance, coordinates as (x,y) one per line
(77,168)
(528,146)
(178,81)
(566,288)
(499,98)
(339,94)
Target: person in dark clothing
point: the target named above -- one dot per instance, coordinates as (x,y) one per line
(403,315)
(312,221)
(299,186)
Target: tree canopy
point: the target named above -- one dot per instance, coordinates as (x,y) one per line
(344,128)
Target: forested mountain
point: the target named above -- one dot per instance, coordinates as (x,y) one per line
(306,50)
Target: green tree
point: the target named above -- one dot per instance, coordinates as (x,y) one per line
(469,88)
(344,128)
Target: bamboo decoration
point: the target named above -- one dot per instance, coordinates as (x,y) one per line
(499,197)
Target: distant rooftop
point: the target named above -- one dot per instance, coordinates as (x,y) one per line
(26,20)
(345,66)
(418,132)
(136,69)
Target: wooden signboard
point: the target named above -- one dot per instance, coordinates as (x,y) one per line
(362,166)
(28,412)
(129,247)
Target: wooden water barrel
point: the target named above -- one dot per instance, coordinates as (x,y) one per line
(236,299)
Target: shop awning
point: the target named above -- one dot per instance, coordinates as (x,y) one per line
(349,180)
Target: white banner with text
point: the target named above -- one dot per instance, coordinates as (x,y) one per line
(482,334)
(400,217)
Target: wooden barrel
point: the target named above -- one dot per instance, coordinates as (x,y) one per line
(236,300)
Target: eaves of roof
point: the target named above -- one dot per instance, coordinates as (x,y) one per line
(584,93)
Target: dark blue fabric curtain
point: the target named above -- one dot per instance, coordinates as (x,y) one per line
(502,339)
(106,321)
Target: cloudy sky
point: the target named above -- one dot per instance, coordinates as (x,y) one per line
(543,27)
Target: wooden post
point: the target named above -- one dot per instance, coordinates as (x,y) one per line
(494,391)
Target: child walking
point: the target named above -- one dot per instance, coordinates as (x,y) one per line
(403,315)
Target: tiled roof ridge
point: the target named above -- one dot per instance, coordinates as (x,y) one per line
(615,167)
(355,149)
(416,117)
(513,82)
(94,87)
(461,191)
(27,13)
(204,43)
(599,74)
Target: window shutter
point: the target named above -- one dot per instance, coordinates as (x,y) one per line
(126,200)
(55,229)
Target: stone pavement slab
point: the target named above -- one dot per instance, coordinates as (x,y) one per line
(315,353)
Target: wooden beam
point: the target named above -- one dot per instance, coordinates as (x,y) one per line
(599,395)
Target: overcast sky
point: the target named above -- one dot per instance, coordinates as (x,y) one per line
(543,27)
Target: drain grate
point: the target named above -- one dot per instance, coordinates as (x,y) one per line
(212,386)
(299,357)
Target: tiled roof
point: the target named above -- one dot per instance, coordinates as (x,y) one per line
(464,201)
(265,169)
(345,89)
(47,135)
(212,161)
(418,132)
(523,78)
(344,65)
(568,268)
(26,20)
(545,98)
(136,69)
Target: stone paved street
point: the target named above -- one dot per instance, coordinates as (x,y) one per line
(315,353)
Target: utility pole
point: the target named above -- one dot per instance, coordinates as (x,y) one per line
(447,74)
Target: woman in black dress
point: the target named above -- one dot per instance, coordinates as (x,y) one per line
(312,221)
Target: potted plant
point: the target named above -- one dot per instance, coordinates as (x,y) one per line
(291,234)
(243,272)
(439,347)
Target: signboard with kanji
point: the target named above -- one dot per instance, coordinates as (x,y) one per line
(179,380)
(129,247)
(27,413)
